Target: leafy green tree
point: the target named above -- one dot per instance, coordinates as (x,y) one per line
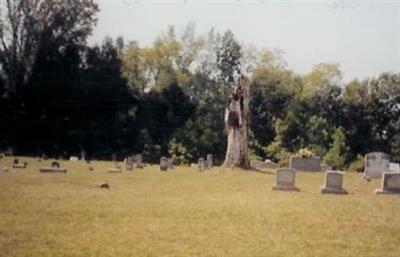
(228,59)
(27,26)
(336,156)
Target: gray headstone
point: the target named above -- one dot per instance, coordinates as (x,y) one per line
(129,163)
(375,164)
(171,163)
(305,164)
(164,164)
(394,167)
(201,164)
(139,161)
(83,155)
(333,183)
(210,163)
(285,180)
(390,183)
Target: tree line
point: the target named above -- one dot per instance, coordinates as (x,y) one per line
(59,95)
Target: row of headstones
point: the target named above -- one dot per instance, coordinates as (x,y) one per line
(375,163)
(285,180)
(130,162)
(202,164)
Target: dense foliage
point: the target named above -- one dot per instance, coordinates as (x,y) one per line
(59,96)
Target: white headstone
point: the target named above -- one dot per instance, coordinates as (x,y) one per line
(333,183)
(285,180)
(376,163)
(73,158)
(394,167)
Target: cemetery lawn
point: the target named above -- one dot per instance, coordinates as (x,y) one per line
(187,213)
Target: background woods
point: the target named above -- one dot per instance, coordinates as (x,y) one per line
(59,95)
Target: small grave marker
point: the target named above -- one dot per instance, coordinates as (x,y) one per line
(210,163)
(201,164)
(333,183)
(129,163)
(285,180)
(164,164)
(394,167)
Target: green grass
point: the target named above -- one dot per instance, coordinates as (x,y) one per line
(187,213)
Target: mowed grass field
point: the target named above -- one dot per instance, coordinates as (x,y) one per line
(187,213)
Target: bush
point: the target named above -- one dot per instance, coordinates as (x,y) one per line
(357,165)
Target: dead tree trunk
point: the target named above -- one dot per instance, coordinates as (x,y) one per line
(237,118)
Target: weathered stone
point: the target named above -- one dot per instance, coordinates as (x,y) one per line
(376,163)
(210,163)
(129,163)
(83,155)
(164,164)
(394,167)
(52,170)
(201,164)
(139,161)
(333,183)
(263,165)
(305,164)
(115,170)
(390,183)
(285,180)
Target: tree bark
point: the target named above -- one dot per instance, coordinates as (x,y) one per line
(237,153)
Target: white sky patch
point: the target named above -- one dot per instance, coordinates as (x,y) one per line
(363,36)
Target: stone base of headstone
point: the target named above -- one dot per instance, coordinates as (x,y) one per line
(327,190)
(333,183)
(285,188)
(19,166)
(52,170)
(114,170)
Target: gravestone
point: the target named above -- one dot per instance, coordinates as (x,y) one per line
(129,163)
(210,163)
(164,164)
(305,164)
(83,155)
(333,183)
(18,165)
(394,167)
(390,183)
(171,163)
(376,163)
(73,158)
(54,168)
(139,161)
(201,164)
(285,180)
(117,168)
(263,165)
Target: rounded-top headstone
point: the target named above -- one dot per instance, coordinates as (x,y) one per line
(201,164)
(164,164)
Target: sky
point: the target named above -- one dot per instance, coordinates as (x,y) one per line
(363,36)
